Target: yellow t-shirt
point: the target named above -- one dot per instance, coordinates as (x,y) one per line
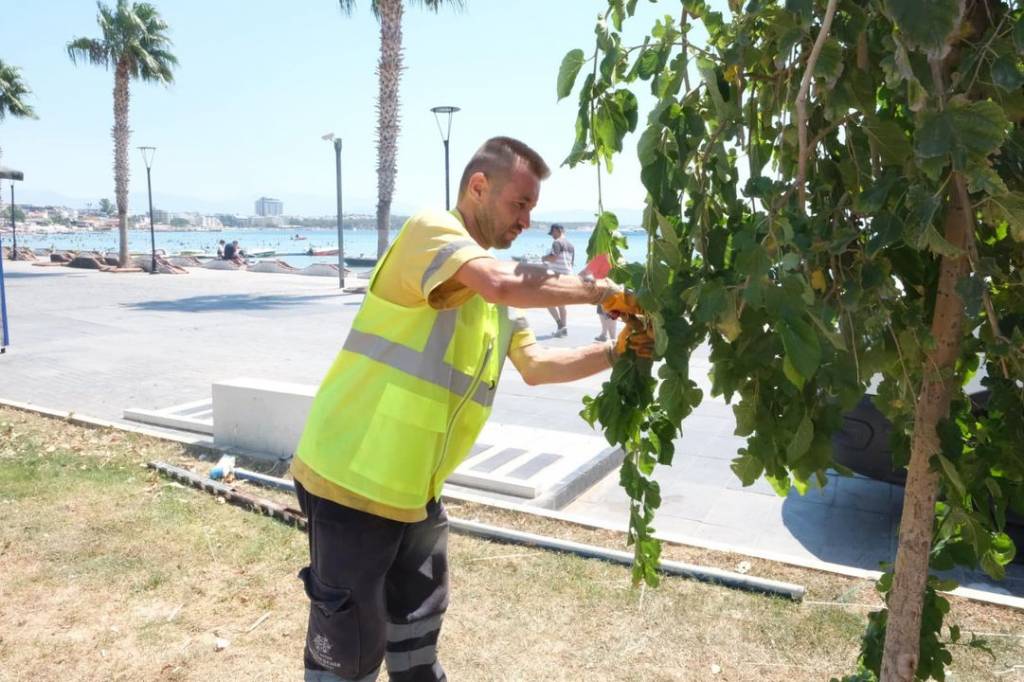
(429,250)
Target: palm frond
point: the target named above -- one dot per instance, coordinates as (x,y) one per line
(134,34)
(436,5)
(12,93)
(88,49)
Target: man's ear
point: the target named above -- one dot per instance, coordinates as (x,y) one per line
(478,185)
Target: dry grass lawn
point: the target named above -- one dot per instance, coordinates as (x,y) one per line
(109,572)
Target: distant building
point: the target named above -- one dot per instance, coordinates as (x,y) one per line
(266,206)
(161,216)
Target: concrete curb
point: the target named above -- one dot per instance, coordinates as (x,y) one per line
(197,441)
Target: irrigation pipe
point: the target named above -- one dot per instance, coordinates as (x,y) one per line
(482,530)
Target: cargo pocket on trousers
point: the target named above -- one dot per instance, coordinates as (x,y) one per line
(332,637)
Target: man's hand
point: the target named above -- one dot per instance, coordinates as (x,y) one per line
(621,303)
(636,335)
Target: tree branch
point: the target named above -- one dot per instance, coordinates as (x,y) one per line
(972,257)
(686,42)
(801,103)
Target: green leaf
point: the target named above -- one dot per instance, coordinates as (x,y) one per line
(970,289)
(571,65)
(1018,35)
(801,440)
(803,349)
(712,300)
(713,77)
(1009,209)
(873,199)
(893,145)
(1006,74)
(647,63)
(964,129)
(983,178)
(792,374)
(830,62)
(952,475)
(747,467)
(938,244)
(925,24)
(745,413)
(780,484)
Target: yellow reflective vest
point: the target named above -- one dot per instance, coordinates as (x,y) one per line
(403,403)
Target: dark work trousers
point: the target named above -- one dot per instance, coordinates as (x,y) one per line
(378,590)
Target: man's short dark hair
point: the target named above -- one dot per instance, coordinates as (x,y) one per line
(498,156)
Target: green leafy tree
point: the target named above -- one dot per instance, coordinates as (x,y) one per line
(179,222)
(107,207)
(135,45)
(389,74)
(835,193)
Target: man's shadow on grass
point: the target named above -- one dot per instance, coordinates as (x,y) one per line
(224,302)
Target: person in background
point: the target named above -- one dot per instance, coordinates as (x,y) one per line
(560,260)
(234,253)
(220,250)
(598,268)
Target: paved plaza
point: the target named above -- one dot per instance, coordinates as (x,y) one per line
(97,343)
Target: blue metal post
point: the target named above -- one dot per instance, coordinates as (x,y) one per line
(6,341)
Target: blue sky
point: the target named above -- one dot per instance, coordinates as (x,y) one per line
(260,81)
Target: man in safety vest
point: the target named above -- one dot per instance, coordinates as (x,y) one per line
(403,404)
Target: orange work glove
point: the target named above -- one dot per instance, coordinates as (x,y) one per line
(621,303)
(635,335)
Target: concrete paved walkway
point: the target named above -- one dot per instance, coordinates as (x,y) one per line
(96,343)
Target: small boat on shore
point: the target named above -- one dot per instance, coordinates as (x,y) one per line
(360,262)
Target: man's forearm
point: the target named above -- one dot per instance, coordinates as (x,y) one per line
(539,365)
(531,286)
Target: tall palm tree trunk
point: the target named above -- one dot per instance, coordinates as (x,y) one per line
(120,134)
(389,73)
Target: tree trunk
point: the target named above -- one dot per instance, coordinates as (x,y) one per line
(906,599)
(389,73)
(120,133)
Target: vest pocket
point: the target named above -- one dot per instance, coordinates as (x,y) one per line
(402,445)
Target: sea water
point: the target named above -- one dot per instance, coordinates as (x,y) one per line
(531,244)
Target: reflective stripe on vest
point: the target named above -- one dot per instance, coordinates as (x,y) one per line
(429,363)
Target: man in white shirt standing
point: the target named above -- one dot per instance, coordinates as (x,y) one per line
(560,260)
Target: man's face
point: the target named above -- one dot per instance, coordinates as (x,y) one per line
(504,210)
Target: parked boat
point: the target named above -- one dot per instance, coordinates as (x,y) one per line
(360,262)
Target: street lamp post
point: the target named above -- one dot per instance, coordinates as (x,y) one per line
(446,133)
(147,157)
(14,231)
(341,238)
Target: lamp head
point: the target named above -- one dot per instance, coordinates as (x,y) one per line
(440,111)
(147,155)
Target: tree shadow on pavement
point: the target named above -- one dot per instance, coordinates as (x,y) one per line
(225,302)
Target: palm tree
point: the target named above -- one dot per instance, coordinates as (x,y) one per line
(135,45)
(389,73)
(12,93)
